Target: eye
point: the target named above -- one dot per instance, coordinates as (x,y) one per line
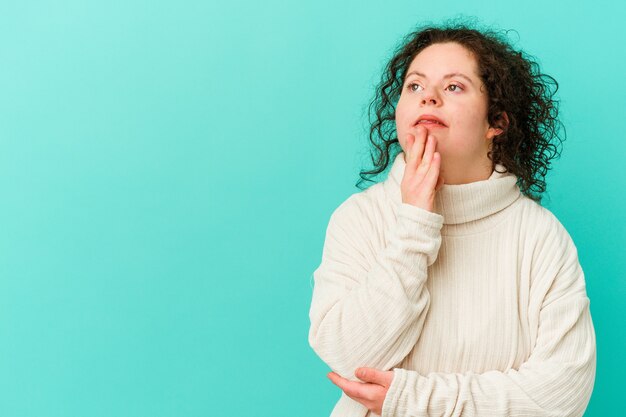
(411,89)
(410,86)
(455,85)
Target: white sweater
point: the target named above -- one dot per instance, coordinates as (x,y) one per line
(479,308)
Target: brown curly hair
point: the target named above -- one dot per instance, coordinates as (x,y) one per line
(514,84)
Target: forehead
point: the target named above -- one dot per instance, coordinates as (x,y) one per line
(443,58)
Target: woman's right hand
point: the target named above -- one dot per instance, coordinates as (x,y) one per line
(421,178)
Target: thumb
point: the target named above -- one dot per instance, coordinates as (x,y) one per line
(369,375)
(440,182)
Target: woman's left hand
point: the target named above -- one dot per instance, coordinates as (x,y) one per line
(370,393)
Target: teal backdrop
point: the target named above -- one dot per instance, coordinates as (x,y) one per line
(168,169)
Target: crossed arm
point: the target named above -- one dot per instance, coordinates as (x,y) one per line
(372,315)
(556,380)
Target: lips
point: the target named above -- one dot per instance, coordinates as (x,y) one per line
(429,120)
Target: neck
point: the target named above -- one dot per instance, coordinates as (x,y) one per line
(462,203)
(455,173)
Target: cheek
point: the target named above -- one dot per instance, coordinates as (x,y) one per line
(475,115)
(468,123)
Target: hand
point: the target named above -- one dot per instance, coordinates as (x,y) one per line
(421,178)
(371,393)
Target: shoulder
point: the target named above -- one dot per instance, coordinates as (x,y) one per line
(555,269)
(361,221)
(353,229)
(550,241)
(361,209)
(543,221)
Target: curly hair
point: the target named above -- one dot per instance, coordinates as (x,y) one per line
(514,84)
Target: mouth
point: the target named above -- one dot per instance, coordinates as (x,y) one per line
(430,121)
(430,124)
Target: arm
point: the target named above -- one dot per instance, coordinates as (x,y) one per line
(556,380)
(364,315)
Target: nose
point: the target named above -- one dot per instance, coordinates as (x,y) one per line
(430,97)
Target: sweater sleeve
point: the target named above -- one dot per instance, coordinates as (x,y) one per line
(368,308)
(556,380)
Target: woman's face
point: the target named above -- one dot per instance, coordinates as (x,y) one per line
(458,101)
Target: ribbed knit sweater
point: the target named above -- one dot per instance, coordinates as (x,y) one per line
(479,307)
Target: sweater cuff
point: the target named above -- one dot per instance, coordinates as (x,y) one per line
(392,407)
(421,229)
(423,217)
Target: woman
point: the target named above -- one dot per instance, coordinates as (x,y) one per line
(448,283)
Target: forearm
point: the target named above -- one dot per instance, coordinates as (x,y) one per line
(378,320)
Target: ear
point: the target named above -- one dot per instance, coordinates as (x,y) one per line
(502,122)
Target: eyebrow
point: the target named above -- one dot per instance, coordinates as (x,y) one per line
(452,74)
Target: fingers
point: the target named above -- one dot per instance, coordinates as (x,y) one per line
(440,180)
(430,163)
(429,150)
(423,159)
(354,389)
(421,174)
(416,146)
(432,179)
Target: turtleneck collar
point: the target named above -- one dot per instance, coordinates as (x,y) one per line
(461,203)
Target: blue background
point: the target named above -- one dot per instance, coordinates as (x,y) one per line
(167,171)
